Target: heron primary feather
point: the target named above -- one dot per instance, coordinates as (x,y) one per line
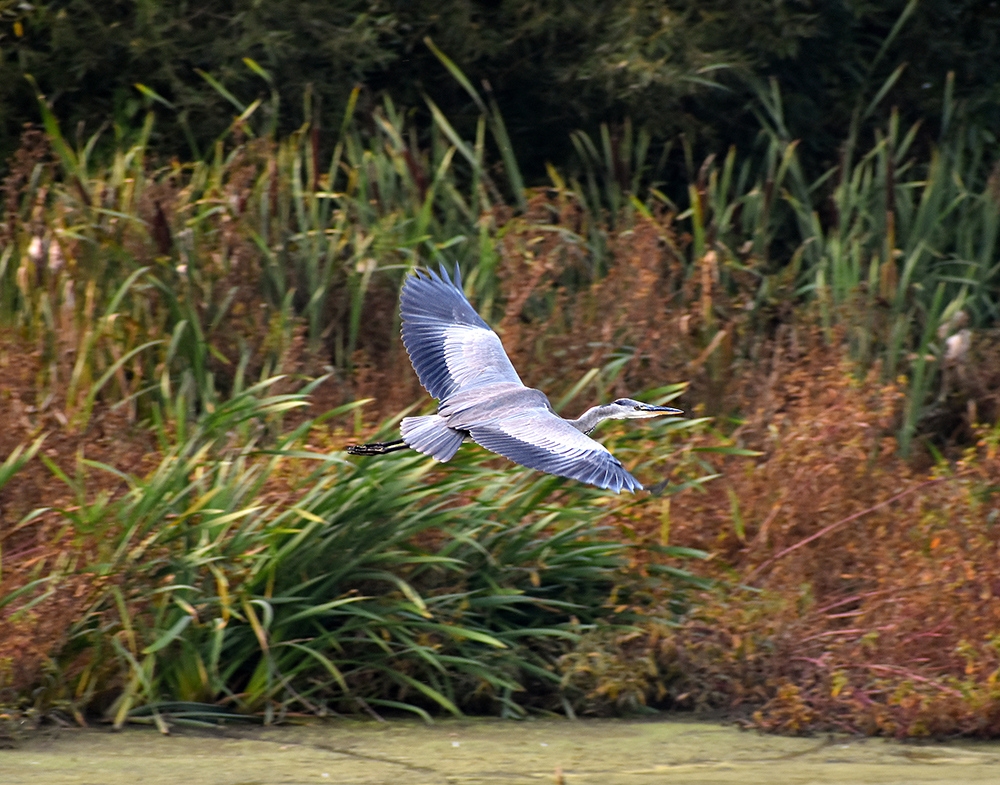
(460,361)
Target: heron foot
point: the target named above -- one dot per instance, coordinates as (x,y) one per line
(377,448)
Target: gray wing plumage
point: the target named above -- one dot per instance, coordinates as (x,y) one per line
(542,440)
(450,346)
(519,423)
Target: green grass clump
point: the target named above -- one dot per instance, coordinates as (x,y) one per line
(890,248)
(242,582)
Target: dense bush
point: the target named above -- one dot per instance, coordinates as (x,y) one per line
(670,65)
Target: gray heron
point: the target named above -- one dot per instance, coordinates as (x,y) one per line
(461,362)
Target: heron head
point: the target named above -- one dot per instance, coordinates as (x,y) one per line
(629,409)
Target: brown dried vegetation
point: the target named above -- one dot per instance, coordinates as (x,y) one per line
(869,595)
(871,600)
(35,547)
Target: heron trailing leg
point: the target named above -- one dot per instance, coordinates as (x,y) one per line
(428,434)
(377,448)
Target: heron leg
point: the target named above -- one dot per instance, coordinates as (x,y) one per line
(377,448)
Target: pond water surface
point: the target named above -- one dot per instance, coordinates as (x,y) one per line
(591,752)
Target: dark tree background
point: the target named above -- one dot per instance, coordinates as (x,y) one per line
(674,66)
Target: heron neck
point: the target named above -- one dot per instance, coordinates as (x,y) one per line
(590,419)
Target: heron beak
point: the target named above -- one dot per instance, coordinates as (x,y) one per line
(649,410)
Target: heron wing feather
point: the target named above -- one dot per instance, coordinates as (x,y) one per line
(540,439)
(450,346)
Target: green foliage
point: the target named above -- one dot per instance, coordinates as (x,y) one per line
(368,585)
(232,576)
(551,67)
(891,244)
(161,279)
(89,56)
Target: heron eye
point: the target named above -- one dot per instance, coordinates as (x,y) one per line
(637,407)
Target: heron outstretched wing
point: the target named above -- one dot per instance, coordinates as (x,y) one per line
(450,346)
(540,439)
(461,362)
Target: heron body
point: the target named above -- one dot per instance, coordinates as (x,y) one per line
(461,362)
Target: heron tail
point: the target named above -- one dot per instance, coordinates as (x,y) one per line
(431,435)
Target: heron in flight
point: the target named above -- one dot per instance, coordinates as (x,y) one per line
(461,362)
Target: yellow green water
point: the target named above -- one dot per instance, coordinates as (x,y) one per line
(593,752)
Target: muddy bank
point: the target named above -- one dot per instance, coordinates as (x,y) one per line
(598,752)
